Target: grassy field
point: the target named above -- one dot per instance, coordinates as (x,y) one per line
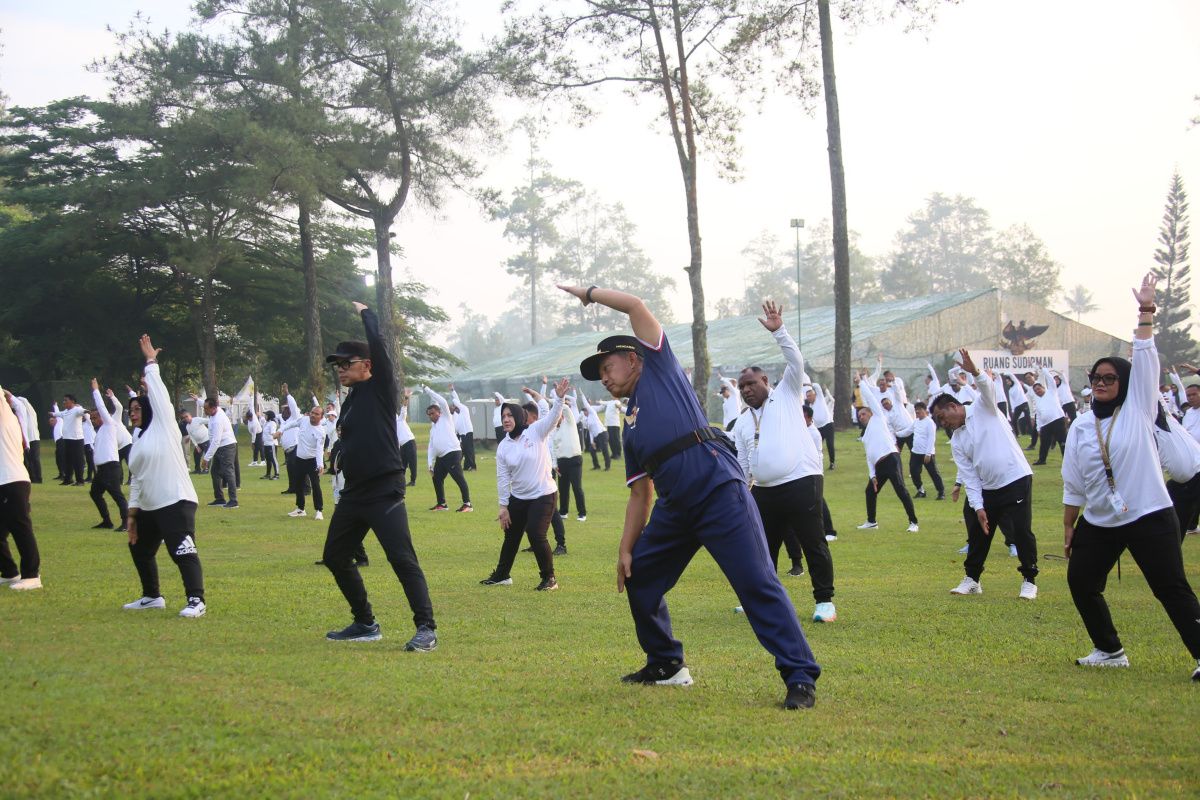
(924,694)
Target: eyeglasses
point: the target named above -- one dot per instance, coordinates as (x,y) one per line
(346,364)
(1108,379)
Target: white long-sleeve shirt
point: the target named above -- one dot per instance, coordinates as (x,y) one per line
(158,474)
(985,450)
(197,431)
(497,420)
(1016,396)
(523,464)
(12,446)
(1178,452)
(566,436)
(310,439)
(924,437)
(404,434)
(1048,406)
(270,426)
(118,414)
(462,420)
(899,420)
(104,446)
(591,418)
(72,419)
(291,435)
(878,441)
(1065,396)
(220,433)
(771,442)
(731,406)
(442,437)
(822,415)
(32,431)
(89,432)
(1132,451)
(612,413)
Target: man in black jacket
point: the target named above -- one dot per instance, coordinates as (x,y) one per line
(373,497)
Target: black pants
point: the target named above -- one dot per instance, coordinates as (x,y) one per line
(888,469)
(15,519)
(60,458)
(237,467)
(1054,433)
(197,456)
(560,530)
(1003,409)
(74,460)
(467,440)
(916,463)
(108,480)
(1021,421)
(222,472)
(904,441)
(408,460)
(1008,510)
(388,517)
(1069,410)
(570,479)
(1186,499)
(33,461)
(268,456)
(449,464)
(176,526)
(826,432)
(89,461)
(256,451)
(796,505)
(123,457)
(296,481)
(826,519)
(528,518)
(600,444)
(308,472)
(1153,540)
(614,440)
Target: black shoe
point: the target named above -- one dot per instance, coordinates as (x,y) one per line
(356,632)
(79,483)
(548,585)
(561,550)
(232,504)
(496,580)
(831,466)
(1038,463)
(800,695)
(941,496)
(422,641)
(674,673)
(217,503)
(797,570)
(921,494)
(105,525)
(122,528)
(528,549)
(364,563)
(287,491)
(320,563)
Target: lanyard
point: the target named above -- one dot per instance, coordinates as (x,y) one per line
(757,423)
(1103,444)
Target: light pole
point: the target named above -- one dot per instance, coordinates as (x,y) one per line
(797,224)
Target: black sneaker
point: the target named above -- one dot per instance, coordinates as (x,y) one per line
(440,507)
(797,570)
(121,528)
(548,585)
(232,504)
(941,496)
(561,550)
(466,508)
(528,549)
(217,503)
(496,580)
(422,641)
(356,632)
(800,695)
(366,562)
(673,673)
(921,494)
(102,526)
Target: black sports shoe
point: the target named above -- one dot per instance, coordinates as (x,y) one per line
(496,580)
(121,528)
(366,562)
(921,493)
(797,569)
(356,632)
(217,503)
(561,550)
(548,585)
(941,496)
(422,641)
(800,695)
(105,525)
(440,507)
(674,673)
(527,549)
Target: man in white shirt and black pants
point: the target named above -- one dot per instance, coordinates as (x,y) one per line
(310,461)
(33,443)
(222,451)
(921,455)
(108,476)
(464,429)
(444,455)
(782,465)
(72,438)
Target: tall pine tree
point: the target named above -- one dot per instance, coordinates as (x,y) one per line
(1174,337)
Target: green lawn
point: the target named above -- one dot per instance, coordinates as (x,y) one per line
(924,694)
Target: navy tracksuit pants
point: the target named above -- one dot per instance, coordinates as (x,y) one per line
(727,524)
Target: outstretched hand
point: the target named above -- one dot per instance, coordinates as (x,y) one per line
(359,307)
(968,365)
(773,316)
(1145,293)
(95,385)
(148,349)
(561,387)
(579,292)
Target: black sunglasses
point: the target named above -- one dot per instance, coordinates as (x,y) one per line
(346,364)
(1107,379)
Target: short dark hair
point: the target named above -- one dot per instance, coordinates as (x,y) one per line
(808,412)
(940,399)
(211,402)
(70,397)
(919,406)
(531,408)
(432,406)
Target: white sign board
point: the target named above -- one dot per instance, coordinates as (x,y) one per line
(1029,361)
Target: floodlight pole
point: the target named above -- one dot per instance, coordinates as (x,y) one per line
(797,224)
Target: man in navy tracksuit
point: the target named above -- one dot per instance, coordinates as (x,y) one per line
(702,501)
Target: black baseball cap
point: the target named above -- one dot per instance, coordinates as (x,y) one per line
(348,350)
(589,368)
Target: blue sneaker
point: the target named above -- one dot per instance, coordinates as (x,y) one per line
(422,641)
(356,632)
(825,612)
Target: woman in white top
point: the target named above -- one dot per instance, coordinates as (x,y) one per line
(526,490)
(270,428)
(162,500)
(1111,472)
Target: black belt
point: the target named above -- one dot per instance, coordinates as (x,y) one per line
(698,436)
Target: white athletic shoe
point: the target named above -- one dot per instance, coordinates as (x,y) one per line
(866,526)
(26,584)
(13,579)
(913,527)
(581,518)
(297,512)
(1028,591)
(968,586)
(1196,674)
(194,608)
(966,548)
(1012,550)
(145,603)
(318,515)
(830,537)
(1099,658)
(825,612)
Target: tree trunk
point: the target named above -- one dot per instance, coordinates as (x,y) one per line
(207,337)
(700,362)
(533,286)
(312,314)
(842,391)
(385,293)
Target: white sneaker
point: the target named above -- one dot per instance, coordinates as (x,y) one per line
(1196,674)
(825,612)
(1099,658)
(194,608)
(318,515)
(13,579)
(968,586)
(26,584)
(913,527)
(581,518)
(297,512)
(866,526)
(1012,550)
(1028,591)
(966,548)
(145,603)
(830,537)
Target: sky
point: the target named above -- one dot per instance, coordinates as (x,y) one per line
(1068,117)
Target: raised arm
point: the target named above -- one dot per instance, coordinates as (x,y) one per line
(870,396)
(1143,377)
(101,406)
(772,320)
(984,388)
(381,362)
(645,326)
(438,399)
(935,385)
(546,422)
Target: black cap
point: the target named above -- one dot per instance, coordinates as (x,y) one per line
(348,350)
(589,368)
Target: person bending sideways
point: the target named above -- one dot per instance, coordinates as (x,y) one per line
(162,500)
(373,495)
(703,501)
(883,459)
(310,461)
(444,455)
(1114,498)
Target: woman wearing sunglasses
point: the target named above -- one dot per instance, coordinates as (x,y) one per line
(1111,472)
